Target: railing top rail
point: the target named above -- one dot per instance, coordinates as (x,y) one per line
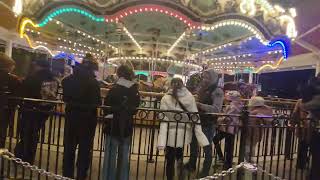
(146,109)
(268,100)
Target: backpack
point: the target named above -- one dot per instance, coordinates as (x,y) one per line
(124,102)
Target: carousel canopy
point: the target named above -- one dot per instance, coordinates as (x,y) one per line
(228,35)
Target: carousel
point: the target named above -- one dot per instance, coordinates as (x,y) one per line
(241,38)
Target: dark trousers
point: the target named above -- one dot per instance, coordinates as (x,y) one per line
(289,143)
(173,154)
(315,152)
(4,123)
(194,151)
(79,130)
(302,158)
(30,125)
(229,143)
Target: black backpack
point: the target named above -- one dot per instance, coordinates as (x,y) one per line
(124,102)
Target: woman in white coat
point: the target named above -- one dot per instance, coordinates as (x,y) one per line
(177,132)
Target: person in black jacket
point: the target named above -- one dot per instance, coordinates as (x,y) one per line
(124,99)
(9,84)
(81,93)
(40,83)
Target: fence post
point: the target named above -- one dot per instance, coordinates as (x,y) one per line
(153,126)
(244,120)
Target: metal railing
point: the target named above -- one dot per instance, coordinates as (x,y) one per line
(275,151)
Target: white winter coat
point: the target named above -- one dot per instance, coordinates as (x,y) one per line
(179,134)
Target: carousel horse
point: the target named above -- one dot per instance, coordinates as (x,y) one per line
(155,86)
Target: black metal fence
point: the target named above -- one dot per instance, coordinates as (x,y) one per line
(276,149)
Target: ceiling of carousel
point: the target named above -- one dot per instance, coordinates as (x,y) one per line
(223,33)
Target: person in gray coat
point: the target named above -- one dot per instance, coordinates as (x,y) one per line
(210,100)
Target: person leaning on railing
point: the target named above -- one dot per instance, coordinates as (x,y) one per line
(174,136)
(299,118)
(123,99)
(81,93)
(228,128)
(313,107)
(210,100)
(254,135)
(40,83)
(9,84)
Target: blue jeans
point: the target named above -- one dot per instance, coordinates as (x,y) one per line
(194,150)
(116,158)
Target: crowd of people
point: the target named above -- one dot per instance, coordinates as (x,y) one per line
(81,94)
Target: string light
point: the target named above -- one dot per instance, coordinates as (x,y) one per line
(155,59)
(132,38)
(230,57)
(213,49)
(93,38)
(69,10)
(239,23)
(234,62)
(81,45)
(17,7)
(279,9)
(248,7)
(265,5)
(71,42)
(176,43)
(152,8)
(293,12)
(291,26)
(121,14)
(78,50)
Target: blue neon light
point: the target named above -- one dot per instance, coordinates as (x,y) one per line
(67,56)
(284,46)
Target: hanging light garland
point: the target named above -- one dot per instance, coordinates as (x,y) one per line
(132,38)
(81,45)
(239,23)
(155,59)
(60,11)
(176,42)
(121,14)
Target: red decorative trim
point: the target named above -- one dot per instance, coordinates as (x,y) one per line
(152,8)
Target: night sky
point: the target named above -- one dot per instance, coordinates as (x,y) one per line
(285,84)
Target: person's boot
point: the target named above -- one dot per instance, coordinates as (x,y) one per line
(205,171)
(203,174)
(190,167)
(180,172)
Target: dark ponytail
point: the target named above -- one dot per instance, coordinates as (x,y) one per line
(176,84)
